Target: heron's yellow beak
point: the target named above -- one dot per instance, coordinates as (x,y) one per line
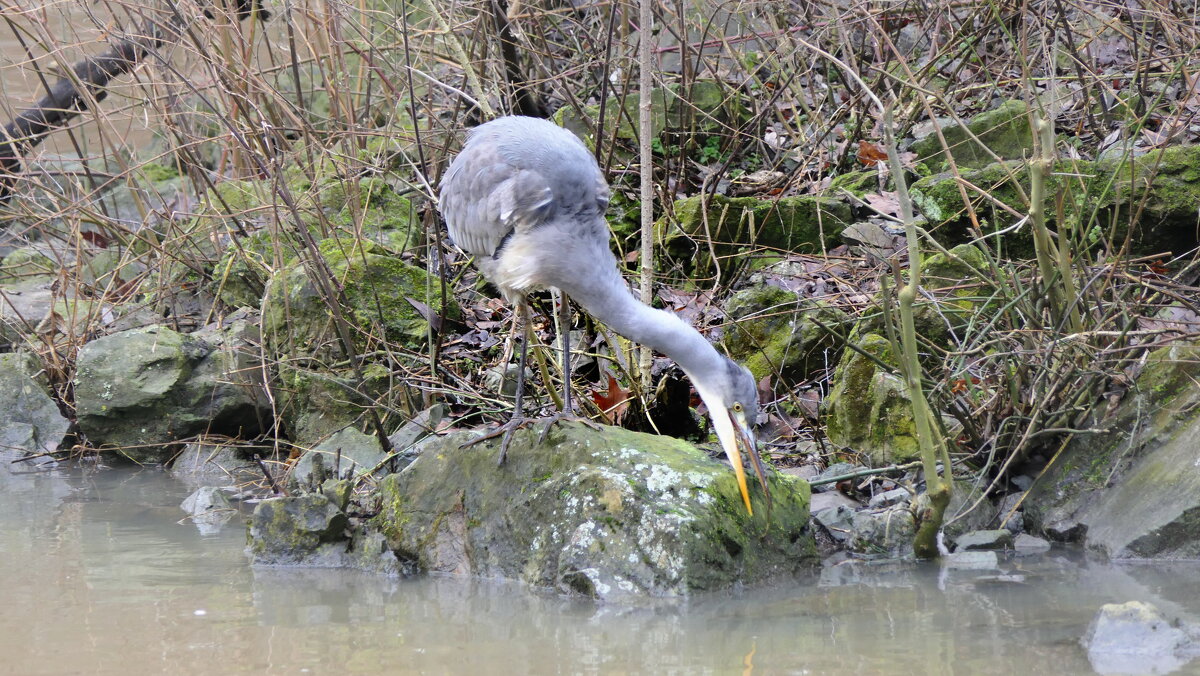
(735,434)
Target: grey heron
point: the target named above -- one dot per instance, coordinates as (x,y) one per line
(526,199)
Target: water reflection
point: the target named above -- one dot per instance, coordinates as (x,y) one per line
(101,577)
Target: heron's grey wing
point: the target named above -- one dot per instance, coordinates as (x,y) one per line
(484,198)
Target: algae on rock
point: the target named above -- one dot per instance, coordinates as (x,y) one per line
(381,291)
(142,389)
(1164,184)
(868,409)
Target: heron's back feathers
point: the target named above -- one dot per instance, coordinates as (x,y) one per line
(515,174)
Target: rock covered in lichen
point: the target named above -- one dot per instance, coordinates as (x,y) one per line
(606,513)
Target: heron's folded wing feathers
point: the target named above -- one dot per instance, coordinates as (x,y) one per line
(483,198)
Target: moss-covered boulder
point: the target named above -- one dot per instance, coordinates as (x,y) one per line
(607,513)
(381,295)
(1133,493)
(737,225)
(773,332)
(1163,184)
(143,389)
(327,206)
(868,409)
(1003,133)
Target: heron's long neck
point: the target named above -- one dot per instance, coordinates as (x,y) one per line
(609,300)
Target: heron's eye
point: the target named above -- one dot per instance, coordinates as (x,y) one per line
(737,407)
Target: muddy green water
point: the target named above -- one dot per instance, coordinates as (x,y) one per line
(99,576)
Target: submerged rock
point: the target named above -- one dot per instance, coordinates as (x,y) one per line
(606,513)
(1135,638)
(209,509)
(31,421)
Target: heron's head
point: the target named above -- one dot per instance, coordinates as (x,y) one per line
(731,396)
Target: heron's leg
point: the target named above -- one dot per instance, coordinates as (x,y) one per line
(567,412)
(564,332)
(520,324)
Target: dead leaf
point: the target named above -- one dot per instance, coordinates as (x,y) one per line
(615,402)
(870,154)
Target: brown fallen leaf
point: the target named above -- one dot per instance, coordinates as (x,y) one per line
(615,402)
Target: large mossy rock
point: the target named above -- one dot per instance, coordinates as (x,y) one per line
(868,409)
(738,224)
(142,389)
(1002,133)
(31,421)
(1133,493)
(378,288)
(1163,184)
(773,332)
(606,513)
(350,206)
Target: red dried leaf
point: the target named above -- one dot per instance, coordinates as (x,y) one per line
(870,154)
(94,238)
(615,402)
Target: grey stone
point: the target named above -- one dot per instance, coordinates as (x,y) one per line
(31,306)
(140,390)
(209,509)
(31,422)
(806,472)
(888,532)
(1022,482)
(896,496)
(1135,638)
(977,560)
(608,513)
(822,501)
(346,454)
(835,470)
(208,464)
(984,539)
(959,520)
(1025,544)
